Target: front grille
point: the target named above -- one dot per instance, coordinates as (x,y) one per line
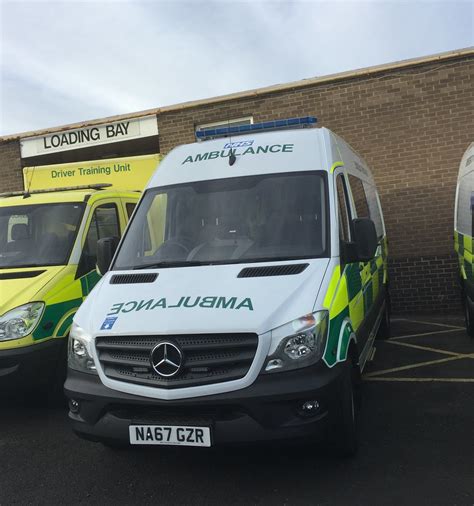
(207,358)
(177,415)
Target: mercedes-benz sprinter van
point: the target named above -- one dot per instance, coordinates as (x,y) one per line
(48,246)
(464,233)
(243,301)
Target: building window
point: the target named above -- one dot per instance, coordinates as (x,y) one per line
(248,120)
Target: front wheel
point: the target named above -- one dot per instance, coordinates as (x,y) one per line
(345,437)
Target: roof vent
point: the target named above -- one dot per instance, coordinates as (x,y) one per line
(128,279)
(272,270)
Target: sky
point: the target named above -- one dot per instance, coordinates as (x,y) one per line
(68,61)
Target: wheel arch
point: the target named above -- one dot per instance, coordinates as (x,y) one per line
(347,346)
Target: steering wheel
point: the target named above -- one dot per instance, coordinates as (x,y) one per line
(174,242)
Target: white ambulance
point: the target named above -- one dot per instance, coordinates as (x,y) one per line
(243,301)
(464,234)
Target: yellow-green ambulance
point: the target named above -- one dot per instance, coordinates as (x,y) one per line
(464,232)
(48,246)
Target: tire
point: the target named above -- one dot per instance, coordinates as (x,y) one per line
(55,392)
(345,434)
(384,330)
(469,317)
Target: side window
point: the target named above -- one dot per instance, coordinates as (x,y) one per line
(130,206)
(104,223)
(374,208)
(360,199)
(465,212)
(343,210)
(235,122)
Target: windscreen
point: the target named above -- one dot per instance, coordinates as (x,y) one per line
(245,219)
(39,234)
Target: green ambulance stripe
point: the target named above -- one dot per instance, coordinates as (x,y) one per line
(51,317)
(53,313)
(335,325)
(354,280)
(464,245)
(88,282)
(352,272)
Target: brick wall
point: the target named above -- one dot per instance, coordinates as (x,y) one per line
(11,178)
(412,126)
(425,284)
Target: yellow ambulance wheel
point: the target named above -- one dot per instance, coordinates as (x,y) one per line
(55,392)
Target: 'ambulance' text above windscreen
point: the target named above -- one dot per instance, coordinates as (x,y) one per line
(233,220)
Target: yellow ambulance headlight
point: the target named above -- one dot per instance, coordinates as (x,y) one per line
(21,321)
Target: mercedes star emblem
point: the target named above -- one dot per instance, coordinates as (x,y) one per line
(166,359)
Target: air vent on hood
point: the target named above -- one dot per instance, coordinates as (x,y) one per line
(127,279)
(272,270)
(20,275)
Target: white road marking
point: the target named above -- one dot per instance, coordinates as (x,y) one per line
(424,380)
(423,334)
(379,375)
(427,348)
(427,323)
(419,364)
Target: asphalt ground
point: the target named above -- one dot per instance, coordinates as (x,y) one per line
(416,445)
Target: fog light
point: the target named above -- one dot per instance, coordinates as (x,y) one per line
(309,408)
(74,406)
(274,363)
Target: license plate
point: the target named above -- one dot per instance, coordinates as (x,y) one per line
(169,435)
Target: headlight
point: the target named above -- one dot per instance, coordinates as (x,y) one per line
(21,321)
(299,343)
(79,356)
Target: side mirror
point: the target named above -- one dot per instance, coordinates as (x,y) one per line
(365,239)
(364,244)
(106,248)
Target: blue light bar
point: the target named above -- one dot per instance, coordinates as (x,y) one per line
(279,124)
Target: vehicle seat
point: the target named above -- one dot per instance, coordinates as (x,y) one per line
(20,238)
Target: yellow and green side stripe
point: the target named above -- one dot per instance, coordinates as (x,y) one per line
(348,304)
(57,317)
(464,246)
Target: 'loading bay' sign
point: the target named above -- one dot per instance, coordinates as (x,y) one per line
(89,136)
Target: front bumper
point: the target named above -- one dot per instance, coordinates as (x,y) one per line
(269,409)
(30,366)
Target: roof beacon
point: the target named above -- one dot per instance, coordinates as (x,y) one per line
(267,126)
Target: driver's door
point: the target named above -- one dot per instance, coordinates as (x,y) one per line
(104,222)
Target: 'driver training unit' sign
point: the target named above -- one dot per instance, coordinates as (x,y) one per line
(130,173)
